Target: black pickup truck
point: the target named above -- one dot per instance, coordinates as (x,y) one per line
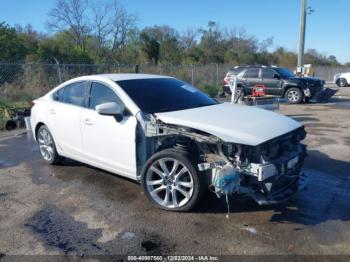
(278,81)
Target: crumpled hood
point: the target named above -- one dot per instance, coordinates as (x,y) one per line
(239,124)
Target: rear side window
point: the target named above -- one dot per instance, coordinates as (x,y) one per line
(100,94)
(74,94)
(252,73)
(267,73)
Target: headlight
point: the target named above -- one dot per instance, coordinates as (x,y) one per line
(300,134)
(307,92)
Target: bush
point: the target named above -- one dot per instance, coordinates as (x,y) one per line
(211,90)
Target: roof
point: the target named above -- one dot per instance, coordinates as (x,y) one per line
(242,67)
(119,77)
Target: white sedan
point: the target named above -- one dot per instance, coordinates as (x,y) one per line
(171,137)
(342,79)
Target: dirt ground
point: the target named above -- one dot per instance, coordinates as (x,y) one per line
(77,209)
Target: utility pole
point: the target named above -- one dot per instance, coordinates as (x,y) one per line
(302,36)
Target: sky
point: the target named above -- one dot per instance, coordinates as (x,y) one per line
(327,30)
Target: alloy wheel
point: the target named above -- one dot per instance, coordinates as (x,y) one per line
(46,144)
(293,96)
(169,183)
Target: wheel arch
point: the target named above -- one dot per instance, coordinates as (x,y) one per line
(38,125)
(347,80)
(183,143)
(289,86)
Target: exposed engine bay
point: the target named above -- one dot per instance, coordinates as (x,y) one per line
(269,172)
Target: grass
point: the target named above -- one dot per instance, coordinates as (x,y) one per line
(19,104)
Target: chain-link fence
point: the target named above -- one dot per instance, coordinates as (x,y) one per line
(29,80)
(25,81)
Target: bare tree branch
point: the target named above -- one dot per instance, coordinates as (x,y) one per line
(70,15)
(122,22)
(101,22)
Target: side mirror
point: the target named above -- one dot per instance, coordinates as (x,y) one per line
(111,109)
(275,75)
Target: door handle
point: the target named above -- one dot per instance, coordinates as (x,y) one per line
(87,121)
(52,111)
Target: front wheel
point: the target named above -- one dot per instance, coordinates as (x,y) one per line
(342,82)
(294,95)
(47,146)
(171,181)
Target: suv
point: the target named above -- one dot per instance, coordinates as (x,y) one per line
(278,81)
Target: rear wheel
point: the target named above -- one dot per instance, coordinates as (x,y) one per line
(171,181)
(294,95)
(342,82)
(47,146)
(10,125)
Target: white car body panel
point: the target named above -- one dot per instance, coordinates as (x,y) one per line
(346,76)
(108,142)
(233,123)
(64,123)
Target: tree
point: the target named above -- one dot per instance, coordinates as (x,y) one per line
(122,24)
(213,44)
(333,60)
(71,16)
(150,46)
(12,47)
(284,57)
(30,40)
(167,39)
(61,47)
(11,50)
(240,48)
(101,24)
(188,38)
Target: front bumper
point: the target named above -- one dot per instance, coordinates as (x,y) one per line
(323,95)
(292,185)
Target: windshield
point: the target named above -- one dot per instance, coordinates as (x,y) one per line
(157,95)
(284,72)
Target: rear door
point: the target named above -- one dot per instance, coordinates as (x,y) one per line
(251,78)
(108,143)
(273,85)
(64,117)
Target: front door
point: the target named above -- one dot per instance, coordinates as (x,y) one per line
(271,82)
(106,142)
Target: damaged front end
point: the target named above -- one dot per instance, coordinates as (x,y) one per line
(270,173)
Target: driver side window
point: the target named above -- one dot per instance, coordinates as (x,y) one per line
(100,94)
(268,73)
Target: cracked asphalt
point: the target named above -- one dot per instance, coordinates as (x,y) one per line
(78,209)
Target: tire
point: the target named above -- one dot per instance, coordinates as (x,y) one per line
(342,82)
(10,125)
(161,187)
(294,95)
(47,146)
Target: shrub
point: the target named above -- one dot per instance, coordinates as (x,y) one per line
(211,90)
